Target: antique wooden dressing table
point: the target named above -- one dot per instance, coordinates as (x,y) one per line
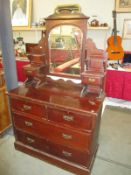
(55,117)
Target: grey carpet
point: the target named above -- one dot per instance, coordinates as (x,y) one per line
(115,135)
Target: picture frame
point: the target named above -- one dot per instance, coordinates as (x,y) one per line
(68,7)
(127,29)
(21,11)
(123,6)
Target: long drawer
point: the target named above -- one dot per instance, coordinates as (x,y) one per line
(54,133)
(77,120)
(58,150)
(28,107)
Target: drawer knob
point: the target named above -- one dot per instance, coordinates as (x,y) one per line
(27,107)
(68,118)
(92,80)
(27,123)
(67,154)
(66,136)
(30,140)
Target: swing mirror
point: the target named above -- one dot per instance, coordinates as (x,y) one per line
(65,47)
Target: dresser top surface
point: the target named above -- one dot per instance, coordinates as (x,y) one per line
(65,97)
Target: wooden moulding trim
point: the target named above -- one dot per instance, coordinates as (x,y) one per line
(81,170)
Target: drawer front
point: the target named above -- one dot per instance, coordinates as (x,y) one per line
(28,107)
(32,141)
(60,151)
(69,154)
(61,135)
(92,80)
(71,119)
(71,138)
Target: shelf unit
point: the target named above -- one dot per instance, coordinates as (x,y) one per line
(98,28)
(30,29)
(43,28)
(39,31)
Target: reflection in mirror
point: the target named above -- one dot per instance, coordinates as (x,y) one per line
(65,43)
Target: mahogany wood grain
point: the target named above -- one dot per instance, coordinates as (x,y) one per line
(70,154)
(64,152)
(28,107)
(77,120)
(54,94)
(52,119)
(67,165)
(62,135)
(92,78)
(78,139)
(79,20)
(31,140)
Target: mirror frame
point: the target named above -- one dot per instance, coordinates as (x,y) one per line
(75,19)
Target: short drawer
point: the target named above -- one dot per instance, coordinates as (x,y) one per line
(77,120)
(56,134)
(28,107)
(32,141)
(79,157)
(27,124)
(92,80)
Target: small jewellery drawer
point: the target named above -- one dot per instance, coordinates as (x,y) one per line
(69,154)
(91,78)
(28,107)
(32,141)
(76,120)
(61,135)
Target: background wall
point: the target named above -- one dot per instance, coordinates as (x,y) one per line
(101,8)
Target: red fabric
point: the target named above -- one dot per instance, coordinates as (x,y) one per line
(127,86)
(118,84)
(19,65)
(1,65)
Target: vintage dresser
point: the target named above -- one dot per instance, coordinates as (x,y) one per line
(54,117)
